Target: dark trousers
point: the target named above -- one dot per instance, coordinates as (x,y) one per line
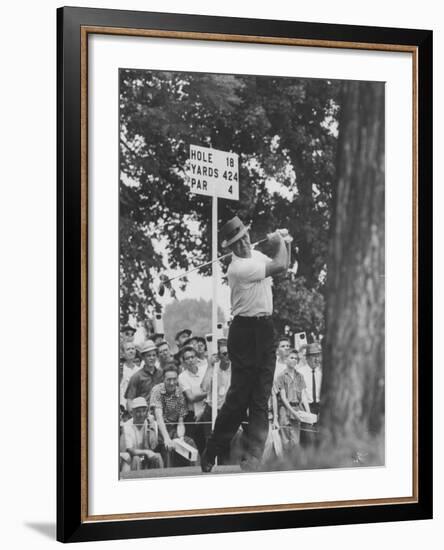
(207,416)
(252,355)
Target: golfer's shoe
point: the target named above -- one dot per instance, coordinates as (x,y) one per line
(205,464)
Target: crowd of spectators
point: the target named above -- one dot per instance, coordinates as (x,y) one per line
(167,399)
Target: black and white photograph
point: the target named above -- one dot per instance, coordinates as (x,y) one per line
(251,274)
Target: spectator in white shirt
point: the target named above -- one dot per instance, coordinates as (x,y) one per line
(282,352)
(139,439)
(128,369)
(312,373)
(311,370)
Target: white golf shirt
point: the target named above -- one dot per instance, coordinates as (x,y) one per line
(251,293)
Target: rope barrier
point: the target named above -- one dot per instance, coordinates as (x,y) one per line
(302,427)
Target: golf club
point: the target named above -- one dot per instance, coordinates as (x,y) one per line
(165,281)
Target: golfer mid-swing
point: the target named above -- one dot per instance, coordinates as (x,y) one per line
(250,344)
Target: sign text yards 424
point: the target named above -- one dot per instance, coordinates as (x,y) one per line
(211,171)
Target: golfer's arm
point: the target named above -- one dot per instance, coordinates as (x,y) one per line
(279,262)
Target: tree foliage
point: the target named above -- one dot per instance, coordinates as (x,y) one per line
(284,130)
(189,313)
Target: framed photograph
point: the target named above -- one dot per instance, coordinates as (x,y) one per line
(244,274)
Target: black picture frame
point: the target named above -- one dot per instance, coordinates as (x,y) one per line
(73,523)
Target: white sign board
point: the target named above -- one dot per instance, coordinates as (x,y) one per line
(213,173)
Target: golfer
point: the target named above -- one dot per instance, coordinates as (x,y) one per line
(250,345)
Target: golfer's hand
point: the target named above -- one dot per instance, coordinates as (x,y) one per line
(169,445)
(275,238)
(285,235)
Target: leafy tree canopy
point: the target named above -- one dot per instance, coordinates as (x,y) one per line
(284,130)
(189,313)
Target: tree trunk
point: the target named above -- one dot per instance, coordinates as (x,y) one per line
(353,379)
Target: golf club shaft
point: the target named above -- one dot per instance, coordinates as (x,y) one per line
(167,281)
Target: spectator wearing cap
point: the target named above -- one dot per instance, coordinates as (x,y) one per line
(157,338)
(129,368)
(170,409)
(292,397)
(140,438)
(143,381)
(182,336)
(221,363)
(192,341)
(190,383)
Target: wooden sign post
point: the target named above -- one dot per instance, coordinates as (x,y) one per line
(215,174)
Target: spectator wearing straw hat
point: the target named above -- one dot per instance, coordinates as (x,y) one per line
(140,439)
(143,381)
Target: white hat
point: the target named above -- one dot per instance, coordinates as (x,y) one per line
(139,402)
(146,346)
